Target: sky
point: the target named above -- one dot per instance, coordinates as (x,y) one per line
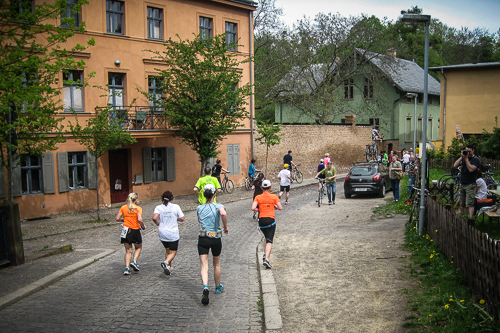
(454,13)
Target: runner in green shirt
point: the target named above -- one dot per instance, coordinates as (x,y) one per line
(200,184)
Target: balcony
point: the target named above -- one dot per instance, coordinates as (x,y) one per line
(139,118)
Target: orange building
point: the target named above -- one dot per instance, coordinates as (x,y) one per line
(63,180)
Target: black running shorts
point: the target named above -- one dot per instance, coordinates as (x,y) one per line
(205,244)
(173,246)
(285,188)
(133,237)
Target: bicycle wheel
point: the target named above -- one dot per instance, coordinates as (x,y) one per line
(414,215)
(229,186)
(248,184)
(443,177)
(298,176)
(320,196)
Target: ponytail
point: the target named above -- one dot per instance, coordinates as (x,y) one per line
(131,199)
(166,197)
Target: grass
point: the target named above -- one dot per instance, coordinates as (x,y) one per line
(441,301)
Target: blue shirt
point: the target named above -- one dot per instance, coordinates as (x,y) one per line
(251,170)
(209,216)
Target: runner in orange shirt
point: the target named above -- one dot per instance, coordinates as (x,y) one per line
(265,204)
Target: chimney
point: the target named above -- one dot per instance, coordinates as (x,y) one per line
(350,119)
(391,53)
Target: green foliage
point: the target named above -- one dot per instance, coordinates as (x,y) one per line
(436,154)
(269,136)
(203,100)
(490,147)
(455,149)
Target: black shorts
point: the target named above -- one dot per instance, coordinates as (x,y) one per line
(205,244)
(285,188)
(268,231)
(133,237)
(173,246)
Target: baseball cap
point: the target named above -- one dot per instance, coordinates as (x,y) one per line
(321,160)
(266,183)
(285,166)
(210,187)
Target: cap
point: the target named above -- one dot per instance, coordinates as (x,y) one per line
(326,154)
(321,160)
(210,187)
(266,183)
(285,166)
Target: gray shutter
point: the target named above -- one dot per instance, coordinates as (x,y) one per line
(3,187)
(49,181)
(17,185)
(236,159)
(170,164)
(62,172)
(91,165)
(230,159)
(146,165)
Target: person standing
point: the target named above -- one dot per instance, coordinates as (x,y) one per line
(200,184)
(330,174)
(285,181)
(385,158)
(287,159)
(216,169)
(265,204)
(406,159)
(469,163)
(326,159)
(209,215)
(131,216)
(393,167)
(166,216)
(252,170)
(412,170)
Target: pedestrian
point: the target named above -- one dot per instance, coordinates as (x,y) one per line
(209,215)
(265,204)
(166,216)
(393,168)
(406,159)
(131,216)
(330,174)
(411,152)
(287,159)
(326,159)
(257,189)
(469,163)
(412,170)
(202,181)
(285,181)
(321,177)
(216,170)
(385,158)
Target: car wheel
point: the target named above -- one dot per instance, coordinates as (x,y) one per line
(347,195)
(382,193)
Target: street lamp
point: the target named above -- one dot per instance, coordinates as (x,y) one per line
(413,95)
(412,19)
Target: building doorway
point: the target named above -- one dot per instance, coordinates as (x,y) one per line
(118,174)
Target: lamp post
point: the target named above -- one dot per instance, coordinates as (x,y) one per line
(412,19)
(414,122)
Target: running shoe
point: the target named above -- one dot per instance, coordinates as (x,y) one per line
(127,271)
(267,264)
(135,266)
(166,268)
(204,298)
(219,288)
(286,202)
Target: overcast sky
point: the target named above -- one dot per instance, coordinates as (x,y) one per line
(454,13)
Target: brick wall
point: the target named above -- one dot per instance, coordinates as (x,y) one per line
(309,143)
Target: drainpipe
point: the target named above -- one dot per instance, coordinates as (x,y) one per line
(250,36)
(394,119)
(444,109)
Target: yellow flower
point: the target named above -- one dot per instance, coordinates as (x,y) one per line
(436,231)
(430,315)
(451,299)
(462,301)
(446,306)
(432,240)
(452,262)
(481,301)
(419,319)
(431,256)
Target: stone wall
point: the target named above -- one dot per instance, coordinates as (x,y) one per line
(309,143)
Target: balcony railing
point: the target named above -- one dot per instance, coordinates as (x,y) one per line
(139,118)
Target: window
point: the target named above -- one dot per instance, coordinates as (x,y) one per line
(114,17)
(231,36)
(31,174)
(368,88)
(155,93)
(70,17)
(155,23)
(158,164)
(77,168)
(349,89)
(205,27)
(20,9)
(375,123)
(116,86)
(420,98)
(408,130)
(73,91)
(429,129)
(419,129)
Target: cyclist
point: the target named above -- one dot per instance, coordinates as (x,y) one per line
(216,169)
(285,181)
(321,177)
(252,170)
(330,174)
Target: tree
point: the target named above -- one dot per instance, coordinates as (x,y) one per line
(101,134)
(490,147)
(202,98)
(31,58)
(269,135)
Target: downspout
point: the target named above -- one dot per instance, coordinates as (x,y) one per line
(394,119)
(444,109)
(250,36)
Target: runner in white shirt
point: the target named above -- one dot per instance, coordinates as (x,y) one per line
(166,216)
(285,181)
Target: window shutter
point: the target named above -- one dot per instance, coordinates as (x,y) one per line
(230,160)
(3,187)
(146,157)
(49,181)
(236,159)
(91,165)
(62,172)
(170,164)
(17,186)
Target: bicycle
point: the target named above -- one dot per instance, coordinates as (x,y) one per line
(248,183)
(371,151)
(321,192)
(297,175)
(491,183)
(451,180)
(415,211)
(227,184)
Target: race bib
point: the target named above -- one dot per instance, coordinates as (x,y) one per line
(123,234)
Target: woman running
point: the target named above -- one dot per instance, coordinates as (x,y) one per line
(131,216)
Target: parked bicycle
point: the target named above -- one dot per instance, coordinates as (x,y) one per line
(227,184)
(249,182)
(321,192)
(371,152)
(297,176)
(415,210)
(488,177)
(451,179)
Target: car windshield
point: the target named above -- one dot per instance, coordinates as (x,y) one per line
(363,171)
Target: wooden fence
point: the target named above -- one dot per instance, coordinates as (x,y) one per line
(474,253)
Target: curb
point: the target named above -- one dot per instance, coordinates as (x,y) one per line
(50,279)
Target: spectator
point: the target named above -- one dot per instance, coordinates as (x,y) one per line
(469,163)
